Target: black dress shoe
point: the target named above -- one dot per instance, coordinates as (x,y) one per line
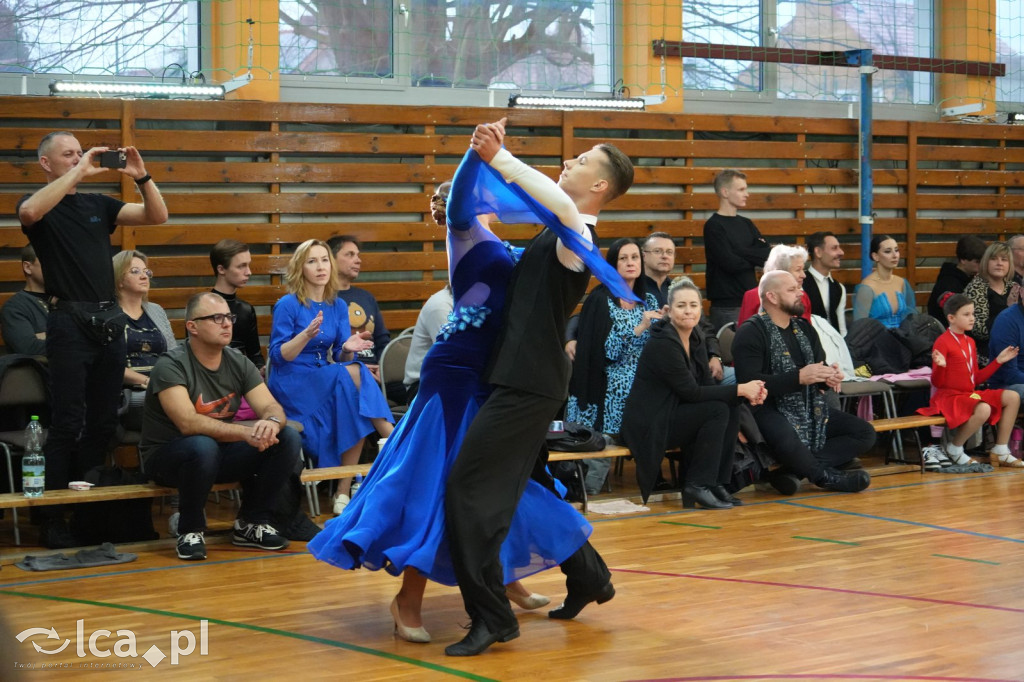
(573,604)
(479,638)
(784,482)
(722,494)
(694,495)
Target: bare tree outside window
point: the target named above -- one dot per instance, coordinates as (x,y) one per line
(96,37)
(527,44)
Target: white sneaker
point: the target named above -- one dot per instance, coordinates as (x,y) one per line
(340,502)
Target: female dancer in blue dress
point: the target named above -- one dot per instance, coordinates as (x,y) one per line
(397,520)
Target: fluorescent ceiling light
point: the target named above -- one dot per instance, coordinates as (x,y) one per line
(150,90)
(601,104)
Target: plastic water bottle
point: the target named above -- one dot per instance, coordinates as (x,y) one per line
(356,482)
(33,465)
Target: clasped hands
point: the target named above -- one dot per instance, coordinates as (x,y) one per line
(263,434)
(820,373)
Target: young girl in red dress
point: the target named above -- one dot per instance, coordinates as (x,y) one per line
(955,376)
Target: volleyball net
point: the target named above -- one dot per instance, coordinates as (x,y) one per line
(606,46)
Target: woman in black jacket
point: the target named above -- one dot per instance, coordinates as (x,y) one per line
(675,402)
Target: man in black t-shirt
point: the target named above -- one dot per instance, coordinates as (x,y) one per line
(190,442)
(530,374)
(70,231)
(733,248)
(230,260)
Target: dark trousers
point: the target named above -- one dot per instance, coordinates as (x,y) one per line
(85,385)
(487,479)
(707,434)
(192,464)
(847,436)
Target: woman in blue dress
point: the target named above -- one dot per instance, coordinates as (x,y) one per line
(883,294)
(312,369)
(396,522)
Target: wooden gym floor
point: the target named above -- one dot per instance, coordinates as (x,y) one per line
(921,577)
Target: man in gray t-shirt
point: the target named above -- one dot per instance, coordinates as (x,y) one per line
(195,389)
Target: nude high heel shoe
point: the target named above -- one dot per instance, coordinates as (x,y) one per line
(417,635)
(534,601)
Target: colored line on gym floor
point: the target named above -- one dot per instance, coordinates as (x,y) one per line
(919,524)
(962,558)
(256,628)
(820,588)
(827,676)
(834,542)
(695,525)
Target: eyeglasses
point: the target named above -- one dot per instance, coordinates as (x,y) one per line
(218,318)
(661,252)
(439,200)
(137,272)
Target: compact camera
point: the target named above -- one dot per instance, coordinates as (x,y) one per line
(113,159)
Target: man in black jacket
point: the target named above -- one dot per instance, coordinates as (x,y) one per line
(733,248)
(827,296)
(808,438)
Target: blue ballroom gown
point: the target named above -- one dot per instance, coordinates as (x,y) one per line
(397,519)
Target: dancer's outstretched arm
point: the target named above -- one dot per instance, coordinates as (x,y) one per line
(487,141)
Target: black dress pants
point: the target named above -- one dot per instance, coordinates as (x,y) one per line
(486,482)
(846,436)
(707,433)
(86,378)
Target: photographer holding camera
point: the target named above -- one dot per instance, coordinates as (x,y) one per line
(70,232)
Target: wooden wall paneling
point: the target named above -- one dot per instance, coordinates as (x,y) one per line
(910,258)
(253,171)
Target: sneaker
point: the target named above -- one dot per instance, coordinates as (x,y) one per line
(341,501)
(931,458)
(261,535)
(191,547)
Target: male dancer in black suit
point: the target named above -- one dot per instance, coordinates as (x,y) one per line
(530,374)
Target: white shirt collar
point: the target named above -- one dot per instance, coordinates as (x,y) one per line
(589,219)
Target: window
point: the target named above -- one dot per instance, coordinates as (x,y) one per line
(518,44)
(890,27)
(99,37)
(1010,50)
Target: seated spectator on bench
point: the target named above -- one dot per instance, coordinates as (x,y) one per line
(612,332)
(884,295)
(434,312)
(827,296)
(1008,330)
(189,441)
(954,277)
(808,438)
(781,257)
(230,260)
(675,402)
(314,371)
(1016,244)
(992,291)
(956,375)
(23,317)
(147,333)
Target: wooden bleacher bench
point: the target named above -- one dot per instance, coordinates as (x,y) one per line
(911,421)
(143,490)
